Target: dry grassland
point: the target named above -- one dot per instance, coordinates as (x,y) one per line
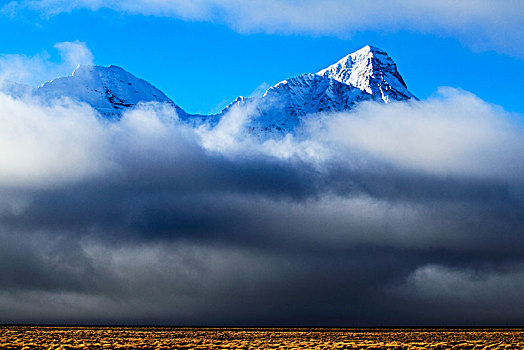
(25,337)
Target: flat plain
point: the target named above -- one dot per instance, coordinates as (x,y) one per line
(38,337)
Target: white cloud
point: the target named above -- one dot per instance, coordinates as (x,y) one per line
(229,131)
(74,53)
(33,70)
(49,145)
(454,133)
(483,24)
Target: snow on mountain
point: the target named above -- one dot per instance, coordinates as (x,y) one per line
(370,69)
(367,74)
(109,90)
(283,106)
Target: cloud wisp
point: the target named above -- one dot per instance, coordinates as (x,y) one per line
(33,70)
(355,220)
(482,24)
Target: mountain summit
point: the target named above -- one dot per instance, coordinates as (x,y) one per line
(368,74)
(370,69)
(110,90)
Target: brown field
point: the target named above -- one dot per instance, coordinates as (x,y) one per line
(26,337)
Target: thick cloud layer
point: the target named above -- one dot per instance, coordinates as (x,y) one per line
(408,213)
(478,23)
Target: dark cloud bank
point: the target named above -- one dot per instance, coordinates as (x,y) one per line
(406,214)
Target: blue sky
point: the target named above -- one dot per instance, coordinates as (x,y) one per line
(203,63)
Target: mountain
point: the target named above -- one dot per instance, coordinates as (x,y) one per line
(370,69)
(283,107)
(110,90)
(368,74)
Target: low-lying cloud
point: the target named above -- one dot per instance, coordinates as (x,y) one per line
(407,213)
(455,133)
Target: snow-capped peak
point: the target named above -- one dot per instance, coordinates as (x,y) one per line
(370,69)
(88,70)
(364,75)
(107,89)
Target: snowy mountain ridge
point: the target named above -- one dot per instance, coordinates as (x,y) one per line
(110,90)
(368,74)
